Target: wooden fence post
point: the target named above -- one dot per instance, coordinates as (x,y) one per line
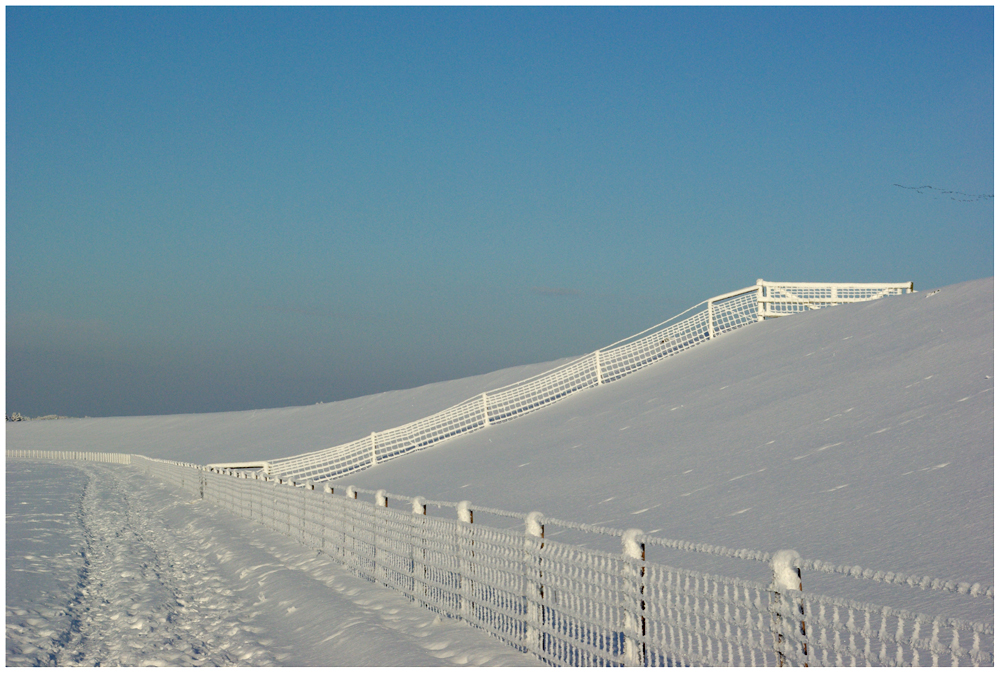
(352,493)
(325,505)
(534,593)
(634,553)
(785,607)
(465,583)
(418,550)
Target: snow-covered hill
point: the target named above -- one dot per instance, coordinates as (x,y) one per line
(861,434)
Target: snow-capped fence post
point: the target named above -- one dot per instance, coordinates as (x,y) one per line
(381,500)
(306,488)
(711,327)
(534,591)
(262,498)
(418,551)
(760,300)
(465,572)
(351,493)
(325,511)
(374,455)
(250,490)
(597,365)
(486,412)
(287,498)
(787,580)
(634,582)
(275,494)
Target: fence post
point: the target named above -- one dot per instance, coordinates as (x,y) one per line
(306,535)
(465,584)
(374,456)
(634,553)
(351,493)
(486,413)
(787,579)
(711,326)
(597,365)
(760,300)
(325,504)
(419,509)
(380,501)
(534,592)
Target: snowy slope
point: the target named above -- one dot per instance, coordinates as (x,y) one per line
(860,434)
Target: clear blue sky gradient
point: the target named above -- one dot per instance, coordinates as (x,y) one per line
(215,209)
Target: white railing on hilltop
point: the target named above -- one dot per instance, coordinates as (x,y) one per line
(781,299)
(573,605)
(688,329)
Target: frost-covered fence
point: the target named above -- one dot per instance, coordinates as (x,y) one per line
(775,300)
(96,456)
(187,476)
(615,604)
(697,325)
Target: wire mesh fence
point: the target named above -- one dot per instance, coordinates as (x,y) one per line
(781,299)
(572,605)
(698,325)
(95,456)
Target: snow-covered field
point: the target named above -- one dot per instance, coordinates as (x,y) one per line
(106,568)
(860,434)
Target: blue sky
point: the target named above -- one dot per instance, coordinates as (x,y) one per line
(214,209)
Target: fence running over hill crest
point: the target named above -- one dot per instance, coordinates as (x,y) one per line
(721,314)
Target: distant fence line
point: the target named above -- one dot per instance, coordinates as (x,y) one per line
(571,605)
(721,314)
(95,456)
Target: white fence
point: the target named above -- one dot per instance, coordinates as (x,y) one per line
(780,299)
(572,605)
(716,316)
(96,456)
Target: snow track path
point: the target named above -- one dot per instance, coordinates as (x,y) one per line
(138,575)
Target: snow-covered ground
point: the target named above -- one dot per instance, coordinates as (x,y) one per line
(106,568)
(861,435)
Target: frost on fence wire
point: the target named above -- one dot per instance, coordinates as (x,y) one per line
(522,398)
(720,315)
(846,633)
(695,619)
(724,315)
(93,456)
(778,299)
(571,605)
